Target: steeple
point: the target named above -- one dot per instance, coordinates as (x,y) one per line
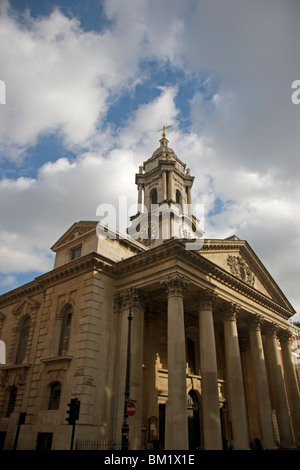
(164,192)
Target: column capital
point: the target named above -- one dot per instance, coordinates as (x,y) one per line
(285,336)
(175,285)
(207,298)
(127,298)
(255,321)
(231,311)
(270,329)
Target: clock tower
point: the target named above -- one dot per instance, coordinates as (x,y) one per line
(164,209)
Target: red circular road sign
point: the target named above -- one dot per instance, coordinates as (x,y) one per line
(131,408)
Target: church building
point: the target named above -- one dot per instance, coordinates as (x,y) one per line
(167,340)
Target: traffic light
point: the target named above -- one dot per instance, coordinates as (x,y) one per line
(73,412)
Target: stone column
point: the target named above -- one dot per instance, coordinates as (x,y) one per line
(136,375)
(140,198)
(291,382)
(278,388)
(234,380)
(189,200)
(261,383)
(209,374)
(170,186)
(176,422)
(164,181)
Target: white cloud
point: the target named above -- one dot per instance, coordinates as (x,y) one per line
(242,148)
(58,78)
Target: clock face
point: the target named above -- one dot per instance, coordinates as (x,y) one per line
(149,231)
(185,231)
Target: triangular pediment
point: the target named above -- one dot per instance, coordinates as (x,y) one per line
(26,306)
(237,258)
(77,230)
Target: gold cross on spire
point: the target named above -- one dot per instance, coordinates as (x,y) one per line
(163,129)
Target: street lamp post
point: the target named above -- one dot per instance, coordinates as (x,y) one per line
(125,426)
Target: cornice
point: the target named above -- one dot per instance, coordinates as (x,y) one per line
(176,248)
(156,256)
(92,261)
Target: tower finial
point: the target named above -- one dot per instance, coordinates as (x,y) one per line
(163,129)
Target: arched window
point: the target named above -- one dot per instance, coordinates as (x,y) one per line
(23,340)
(178,197)
(11,401)
(65,330)
(153,196)
(54,398)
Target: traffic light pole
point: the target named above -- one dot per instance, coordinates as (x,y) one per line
(21,421)
(73,412)
(72,437)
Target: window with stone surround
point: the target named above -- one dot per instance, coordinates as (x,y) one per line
(65,330)
(54,396)
(75,252)
(153,196)
(11,401)
(23,340)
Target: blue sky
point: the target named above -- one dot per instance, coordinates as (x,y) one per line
(88,85)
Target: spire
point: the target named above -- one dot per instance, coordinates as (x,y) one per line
(164,198)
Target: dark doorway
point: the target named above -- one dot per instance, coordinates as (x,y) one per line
(193,421)
(44,441)
(2,439)
(162,419)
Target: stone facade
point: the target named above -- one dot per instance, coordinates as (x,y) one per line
(210,349)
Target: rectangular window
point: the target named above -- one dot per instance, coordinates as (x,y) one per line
(75,253)
(24,334)
(11,401)
(44,441)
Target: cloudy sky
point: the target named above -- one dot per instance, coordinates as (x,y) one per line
(88,85)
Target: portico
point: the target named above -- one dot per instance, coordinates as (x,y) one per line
(222,316)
